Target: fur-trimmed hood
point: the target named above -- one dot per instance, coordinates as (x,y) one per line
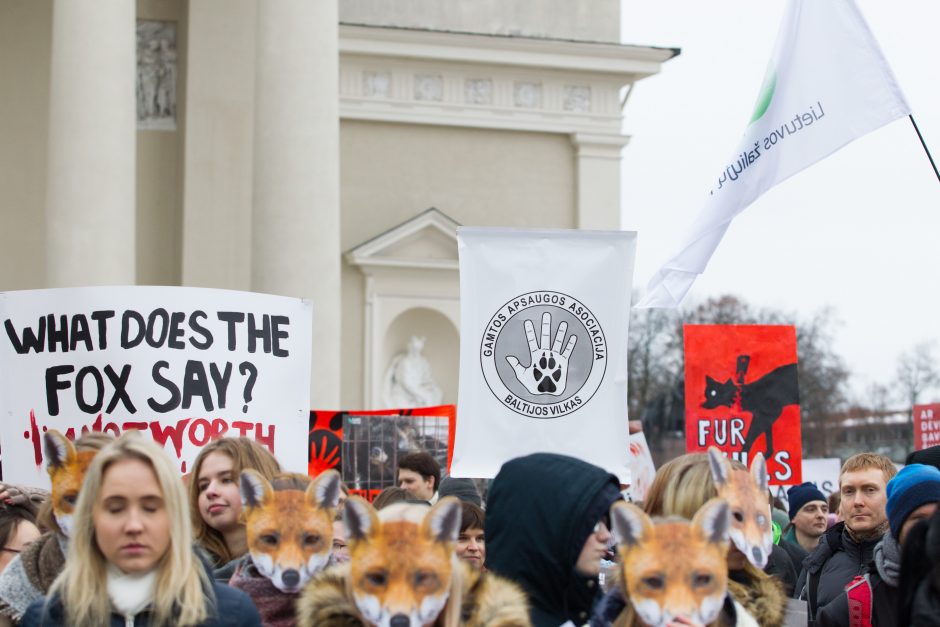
(488,601)
(762,597)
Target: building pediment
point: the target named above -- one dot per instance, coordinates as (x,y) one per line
(429,240)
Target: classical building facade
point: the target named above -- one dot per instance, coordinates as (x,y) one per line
(324,150)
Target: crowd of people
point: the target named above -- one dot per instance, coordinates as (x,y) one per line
(121,540)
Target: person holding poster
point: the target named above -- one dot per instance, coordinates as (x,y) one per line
(131,558)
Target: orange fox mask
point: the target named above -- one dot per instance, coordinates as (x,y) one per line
(66,467)
(290,530)
(402,560)
(674,568)
(747,496)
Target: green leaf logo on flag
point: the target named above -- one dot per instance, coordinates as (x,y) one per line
(766,95)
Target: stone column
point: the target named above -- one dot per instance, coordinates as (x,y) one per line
(295,214)
(599,158)
(90,191)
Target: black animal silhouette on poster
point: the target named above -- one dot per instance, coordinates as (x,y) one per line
(764,398)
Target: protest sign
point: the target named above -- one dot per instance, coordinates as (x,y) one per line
(365,445)
(822,472)
(742,396)
(543,347)
(183,365)
(926,426)
(642,469)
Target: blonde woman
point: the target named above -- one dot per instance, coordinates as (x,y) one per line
(215,501)
(131,559)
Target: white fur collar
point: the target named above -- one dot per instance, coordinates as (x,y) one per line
(130,593)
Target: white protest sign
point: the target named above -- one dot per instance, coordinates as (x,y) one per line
(822,472)
(184,365)
(543,347)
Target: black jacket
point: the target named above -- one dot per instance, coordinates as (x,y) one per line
(232,608)
(835,562)
(780,566)
(796,552)
(540,511)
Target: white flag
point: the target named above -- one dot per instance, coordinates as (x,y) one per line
(827,84)
(544,317)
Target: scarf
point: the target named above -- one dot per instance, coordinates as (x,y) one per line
(868,536)
(130,594)
(888,560)
(276,607)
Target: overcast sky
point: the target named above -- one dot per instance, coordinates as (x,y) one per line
(859,231)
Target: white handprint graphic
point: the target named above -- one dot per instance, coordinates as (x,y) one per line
(548,368)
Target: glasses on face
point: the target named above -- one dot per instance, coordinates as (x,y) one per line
(602,525)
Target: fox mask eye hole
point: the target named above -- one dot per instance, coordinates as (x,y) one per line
(269,539)
(424,578)
(701,580)
(70,499)
(654,583)
(310,538)
(761,519)
(738,516)
(377,578)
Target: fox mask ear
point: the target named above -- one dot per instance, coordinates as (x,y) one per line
(254,487)
(324,491)
(713,520)
(630,523)
(759,472)
(58,449)
(442,522)
(718,464)
(360,518)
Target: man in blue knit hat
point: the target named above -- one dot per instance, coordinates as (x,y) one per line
(808,516)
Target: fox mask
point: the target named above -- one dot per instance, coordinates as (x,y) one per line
(289,528)
(66,467)
(402,560)
(747,496)
(674,568)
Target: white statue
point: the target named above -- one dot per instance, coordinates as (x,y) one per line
(408,381)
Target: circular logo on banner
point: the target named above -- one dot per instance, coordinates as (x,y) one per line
(543,354)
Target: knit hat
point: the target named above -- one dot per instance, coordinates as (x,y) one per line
(800,495)
(928,456)
(463,489)
(913,486)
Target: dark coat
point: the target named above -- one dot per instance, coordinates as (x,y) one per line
(796,552)
(540,511)
(233,609)
(836,561)
(782,568)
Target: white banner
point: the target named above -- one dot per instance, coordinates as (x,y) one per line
(183,365)
(822,472)
(544,316)
(827,84)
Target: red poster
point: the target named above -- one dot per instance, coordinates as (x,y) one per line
(926,426)
(742,395)
(368,463)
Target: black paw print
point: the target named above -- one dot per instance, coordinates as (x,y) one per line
(546,383)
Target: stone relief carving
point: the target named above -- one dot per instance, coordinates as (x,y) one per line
(478,91)
(429,87)
(156,75)
(528,95)
(577,98)
(408,380)
(376,84)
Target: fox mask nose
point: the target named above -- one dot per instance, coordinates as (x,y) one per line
(290,578)
(399,620)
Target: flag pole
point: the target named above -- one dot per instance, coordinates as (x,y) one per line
(924,144)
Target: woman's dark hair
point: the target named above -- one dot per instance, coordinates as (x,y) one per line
(390,496)
(471,517)
(914,568)
(10,518)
